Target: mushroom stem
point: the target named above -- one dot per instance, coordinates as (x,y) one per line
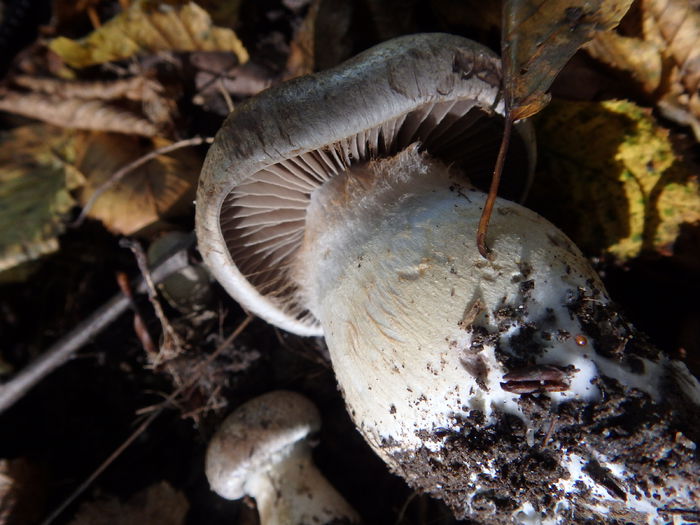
(458,369)
(295,492)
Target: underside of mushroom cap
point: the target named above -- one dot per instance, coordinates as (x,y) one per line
(441,91)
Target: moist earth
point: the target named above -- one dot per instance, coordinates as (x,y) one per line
(651,438)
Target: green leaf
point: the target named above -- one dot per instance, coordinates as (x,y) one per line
(35,182)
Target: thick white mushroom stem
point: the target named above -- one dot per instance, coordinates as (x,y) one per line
(294,492)
(262,450)
(509,387)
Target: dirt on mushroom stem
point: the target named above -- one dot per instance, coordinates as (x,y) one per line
(392,274)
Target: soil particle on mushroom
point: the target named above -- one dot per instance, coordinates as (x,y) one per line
(498,468)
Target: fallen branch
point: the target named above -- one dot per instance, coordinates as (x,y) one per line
(63,349)
(121,448)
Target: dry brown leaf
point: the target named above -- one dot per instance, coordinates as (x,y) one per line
(301,58)
(159,504)
(639,57)
(149,27)
(135,88)
(22,494)
(662,54)
(76,113)
(678,24)
(539,38)
(334,39)
(158,189)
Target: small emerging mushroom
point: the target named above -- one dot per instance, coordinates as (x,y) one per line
(344,204)
(263,450)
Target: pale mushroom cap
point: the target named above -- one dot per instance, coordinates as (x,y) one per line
(255,437)
(439,90)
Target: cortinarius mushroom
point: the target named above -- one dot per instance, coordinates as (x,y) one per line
(342,204)
(263,450)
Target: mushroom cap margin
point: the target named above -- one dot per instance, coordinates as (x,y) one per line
(311,112)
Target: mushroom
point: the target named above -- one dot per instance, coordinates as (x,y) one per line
(263,450)
(345,204)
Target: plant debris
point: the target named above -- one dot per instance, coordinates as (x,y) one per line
(98,100)
(147,27)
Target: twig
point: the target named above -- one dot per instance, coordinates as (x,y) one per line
(121,173)
(139,324)
(549,430)
(171,335)
(199,370)
(493,190)
(225,94)
(63,349)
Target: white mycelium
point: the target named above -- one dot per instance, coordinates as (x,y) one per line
(422,329)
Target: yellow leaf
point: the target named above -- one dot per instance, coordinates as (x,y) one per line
(610,178)
(157,190)
(35,181)
(144,28)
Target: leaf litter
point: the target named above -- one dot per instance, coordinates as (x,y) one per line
(317,35)
(538,38)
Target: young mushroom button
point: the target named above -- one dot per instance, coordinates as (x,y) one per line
(263,450)
(346,204)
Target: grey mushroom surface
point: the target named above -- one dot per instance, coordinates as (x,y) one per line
(277,148)
(345,204)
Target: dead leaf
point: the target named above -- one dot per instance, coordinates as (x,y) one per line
(149,28)
(76,113)
(35,183)
(615,161)
(159,504)
(137,88)
(539,38)
(159,189)
(642,59)
(662,55)
(678,24)
(22,492)
(224,13)
(301,57)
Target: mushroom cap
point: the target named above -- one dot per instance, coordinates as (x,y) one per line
(274,150)
(255,436)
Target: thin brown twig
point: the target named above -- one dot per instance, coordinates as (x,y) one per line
(549,431)
(482,229)
(171,335)
(63,349)
(139,324)
(121,173)
(199,370)
(225,94)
